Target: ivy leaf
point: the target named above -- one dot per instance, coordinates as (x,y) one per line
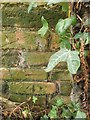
(73,20)
(87,38)
(65,44)
(64,24)
(80,114)
(32,5)
(59,56)
(65,6)
(78,35)
(44,29)
(73,61)
(59,26)
(53,112)
(65,55)
(34,99)
(45,117)
(84,36)
(59,102)
(66,114)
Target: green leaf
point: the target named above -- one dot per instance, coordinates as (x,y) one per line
(45,117)
(53,112)
(59,27)
(64,24)
(66,113)
(73,20)
(34,99)
(44,29)
(65,55)
(32,5)
(78,35)
(80,114)
(86,38)
(25,113)
(73,62)
(65,6)
(87,22)
(59,102)
(59,56)
(65,44)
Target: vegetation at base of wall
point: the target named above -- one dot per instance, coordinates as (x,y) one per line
(57,110)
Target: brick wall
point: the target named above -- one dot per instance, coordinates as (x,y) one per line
(25,55)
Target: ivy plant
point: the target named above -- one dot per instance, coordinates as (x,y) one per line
(71,57)
(67,53)
(68,111)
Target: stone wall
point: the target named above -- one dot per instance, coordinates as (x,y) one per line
(25,55)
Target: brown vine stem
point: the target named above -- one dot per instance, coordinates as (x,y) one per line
(84,66)
(85,74)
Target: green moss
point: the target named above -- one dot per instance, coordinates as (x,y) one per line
(21,98)
(13,14)
(32,88)
(15,74)
(36,58)
(29,40)
(65,88)
(61,75)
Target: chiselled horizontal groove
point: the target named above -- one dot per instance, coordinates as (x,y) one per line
(23,50)
(26,67)
(24,28)
(24,80)
(29,94)
(36,68)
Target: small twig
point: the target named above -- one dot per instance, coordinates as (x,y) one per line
(19,106)
(80,18)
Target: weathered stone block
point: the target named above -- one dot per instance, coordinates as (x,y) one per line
(17,74)
(32,88)
(65,88)
(22,98)
(37,58)
(33,20)
(22,58)
(23,38)
(66,99)
(61,74)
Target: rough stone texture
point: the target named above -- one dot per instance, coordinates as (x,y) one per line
(61,74)
(18,74)
(22,58)
(26,39)
(32,87)
(22,39)
(21,98)
(25,54)
(17,14)
(40,2)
